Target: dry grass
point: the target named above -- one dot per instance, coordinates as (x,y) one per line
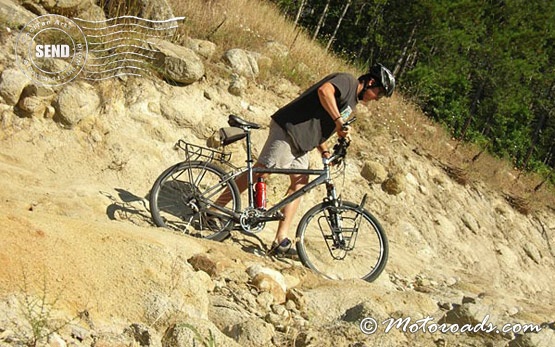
(467,163)
(250,24)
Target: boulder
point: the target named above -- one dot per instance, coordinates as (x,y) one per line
(251,333)
(148,9)
(395,184)
(545,338)
(65,6)
(242,62)
(12,83)
(198,333)
(177,63)
(93,13)
(143,335)
(203,48)
(268,280)
(212,264)
(276,49)
(35,101)
(237,85)
(14,15)
(474,314)
(373,172)
(75,102)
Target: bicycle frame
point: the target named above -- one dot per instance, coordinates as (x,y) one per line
(323,177)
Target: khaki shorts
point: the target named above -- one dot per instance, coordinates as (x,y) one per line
(279,151)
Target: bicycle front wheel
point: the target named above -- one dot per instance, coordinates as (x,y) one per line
(187,198)
(342,242)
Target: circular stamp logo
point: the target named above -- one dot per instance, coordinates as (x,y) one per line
(51,50)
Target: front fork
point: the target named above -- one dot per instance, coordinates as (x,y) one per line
(334,216)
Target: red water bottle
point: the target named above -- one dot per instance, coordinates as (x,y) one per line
(260,189)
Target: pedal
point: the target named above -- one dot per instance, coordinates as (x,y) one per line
(274,217)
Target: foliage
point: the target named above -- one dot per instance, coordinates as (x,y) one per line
(485,69)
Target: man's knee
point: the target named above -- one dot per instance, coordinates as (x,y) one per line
(298,181)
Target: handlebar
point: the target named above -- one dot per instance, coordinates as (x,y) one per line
(340,148)
(349,122)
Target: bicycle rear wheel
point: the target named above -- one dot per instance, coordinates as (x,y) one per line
(342,242)
(183,199)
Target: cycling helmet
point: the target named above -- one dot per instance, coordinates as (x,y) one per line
(383,78)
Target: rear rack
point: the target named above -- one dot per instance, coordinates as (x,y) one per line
(194,152)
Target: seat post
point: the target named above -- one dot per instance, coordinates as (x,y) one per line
(249,167)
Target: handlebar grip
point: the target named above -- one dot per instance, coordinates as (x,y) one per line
(349,122)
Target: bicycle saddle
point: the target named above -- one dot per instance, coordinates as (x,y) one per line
(235,121)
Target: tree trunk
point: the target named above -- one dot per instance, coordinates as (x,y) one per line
(535,138)
(472,111)
(405,53)
(338,24)
(299,12)
(321,20)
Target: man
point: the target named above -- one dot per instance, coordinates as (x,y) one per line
(307,122)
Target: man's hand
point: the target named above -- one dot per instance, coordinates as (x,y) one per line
(342,131)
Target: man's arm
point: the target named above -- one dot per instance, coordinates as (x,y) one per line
(326,94)
(323,149)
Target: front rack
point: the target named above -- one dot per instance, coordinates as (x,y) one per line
(194,152)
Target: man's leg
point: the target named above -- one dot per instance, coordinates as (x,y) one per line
(242,184)
(297,182)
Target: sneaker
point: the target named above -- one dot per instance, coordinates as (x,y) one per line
(283,248)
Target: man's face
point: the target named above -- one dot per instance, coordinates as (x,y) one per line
(373,93)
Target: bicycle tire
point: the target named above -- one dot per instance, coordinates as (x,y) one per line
(182,194)
(370,242)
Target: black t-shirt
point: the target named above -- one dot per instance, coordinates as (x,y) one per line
(306,120)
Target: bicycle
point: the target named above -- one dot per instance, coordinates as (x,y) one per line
(337,239)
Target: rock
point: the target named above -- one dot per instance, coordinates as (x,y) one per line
(470,313)
(532,252)
(223,312)
(203,48)
(34,7)
(268,280)
(143,335)
(35,101)
(296,296)
(148,9)
(242,62)
(177,63)
(12,83)
(276,49)
(92,13)
(33,106)
(198,333)
(395,184)
(545,338)
(237,85)
(210,263)
(111,339)
(56,340)
(266,283)
(14,15)
(373,172)
(251,333)
(361,311)
(75,102)
(65,6)
(189,298)
(470,222)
